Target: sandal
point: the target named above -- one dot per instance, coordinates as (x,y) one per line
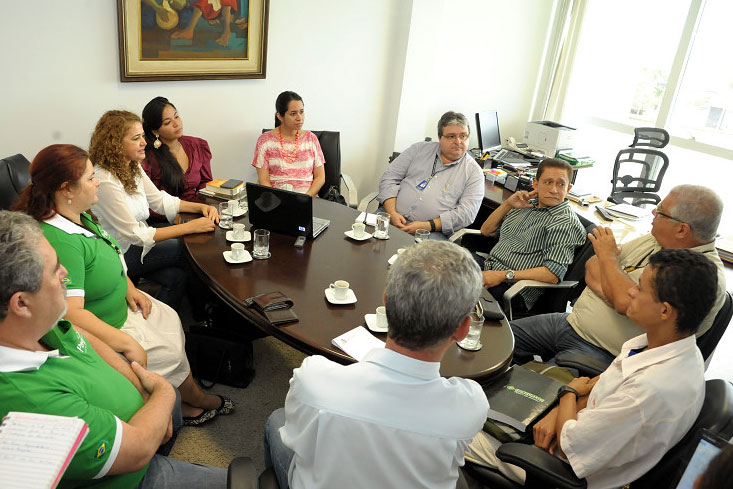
(202,418)
(226,406)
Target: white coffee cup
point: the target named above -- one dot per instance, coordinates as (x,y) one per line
(358,229)
(381,317)
(237,251)
(238,230)
(340,289)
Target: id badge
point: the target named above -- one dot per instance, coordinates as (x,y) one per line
(422,185)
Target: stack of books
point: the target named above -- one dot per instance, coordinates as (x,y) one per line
(223,188)
(576,159)
(627,211)
(725,248)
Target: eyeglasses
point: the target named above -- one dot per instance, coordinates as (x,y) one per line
(660,213)
(452,137)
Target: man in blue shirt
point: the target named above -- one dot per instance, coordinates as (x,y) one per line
(434,186)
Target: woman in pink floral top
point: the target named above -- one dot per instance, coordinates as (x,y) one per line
(288,157)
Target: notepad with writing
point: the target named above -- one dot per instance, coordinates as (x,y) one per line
(36,449)
(357,342)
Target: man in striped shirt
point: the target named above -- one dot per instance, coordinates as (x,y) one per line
(538,233)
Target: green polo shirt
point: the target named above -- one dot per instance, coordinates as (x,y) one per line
(72,380)
(94,266)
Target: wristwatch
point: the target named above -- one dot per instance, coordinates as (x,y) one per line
(564,389)
(510,275)
(432,225)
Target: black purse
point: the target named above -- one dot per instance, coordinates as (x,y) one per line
(219,356)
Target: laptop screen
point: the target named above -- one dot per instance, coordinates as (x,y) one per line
(281,211)
(707,449)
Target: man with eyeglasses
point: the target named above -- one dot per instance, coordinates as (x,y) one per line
(538,233)
(687,218)
(434,186)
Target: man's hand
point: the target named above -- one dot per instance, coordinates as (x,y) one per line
(544,430)
(149,380)
(415,225)
(583,385)
(493,277)
(604,243)
(136,299)
(518,200)
(397,219)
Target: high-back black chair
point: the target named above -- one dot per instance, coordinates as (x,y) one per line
(639,170)
(545,470)
(330,142)
(555,297)
(14,176)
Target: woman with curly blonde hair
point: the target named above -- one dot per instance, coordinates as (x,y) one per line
(126,196)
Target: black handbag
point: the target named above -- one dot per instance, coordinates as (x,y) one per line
(219,356)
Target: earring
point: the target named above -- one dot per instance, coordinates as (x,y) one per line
(68,201)
(157,143)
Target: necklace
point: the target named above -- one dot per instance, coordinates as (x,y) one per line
(289,156)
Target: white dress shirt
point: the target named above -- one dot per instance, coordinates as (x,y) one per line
(387,421)
(641,407)
(124,215)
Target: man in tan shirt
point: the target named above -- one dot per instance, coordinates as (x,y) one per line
(687,218)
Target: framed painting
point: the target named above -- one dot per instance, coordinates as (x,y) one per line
(163,40)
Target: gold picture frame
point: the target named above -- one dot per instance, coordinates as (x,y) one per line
(162,40)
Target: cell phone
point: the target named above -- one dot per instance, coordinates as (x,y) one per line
(300,242)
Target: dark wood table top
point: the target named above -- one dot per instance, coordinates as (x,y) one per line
(304,274)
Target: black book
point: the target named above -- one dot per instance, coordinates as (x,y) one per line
(520,397)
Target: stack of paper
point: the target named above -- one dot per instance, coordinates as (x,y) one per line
(35,449)
(628,211)
(725,248)
(357,342)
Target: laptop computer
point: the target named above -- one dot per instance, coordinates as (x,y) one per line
(283,211)
(708,447)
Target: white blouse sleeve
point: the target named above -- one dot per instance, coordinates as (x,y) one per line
(159,200)
(116,216)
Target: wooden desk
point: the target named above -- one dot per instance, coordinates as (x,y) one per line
(304,274)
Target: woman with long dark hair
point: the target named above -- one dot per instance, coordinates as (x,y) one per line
(288,157)
(101,298)
(178,164)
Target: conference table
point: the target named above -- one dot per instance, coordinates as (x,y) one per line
(303,274)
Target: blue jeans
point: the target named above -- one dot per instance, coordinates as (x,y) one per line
(165,472)
(547,335)
(165,264)
(277,455)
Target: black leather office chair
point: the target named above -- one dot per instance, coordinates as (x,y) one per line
(707,342)
(555,297)
(330,142)
(638,171)
(545,470)
(14,176)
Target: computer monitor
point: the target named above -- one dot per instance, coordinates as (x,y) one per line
(487,127)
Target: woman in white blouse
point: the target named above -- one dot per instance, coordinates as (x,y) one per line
(126,196)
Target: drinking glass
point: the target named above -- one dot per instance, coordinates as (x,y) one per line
(226,220)
(421,235)
(382,229)
(261,248)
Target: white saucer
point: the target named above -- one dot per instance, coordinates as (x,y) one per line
(240,212)
(371,322)
(229,259)
(247,237)
(377,237)
(392,259)
(364,237)
(350,297)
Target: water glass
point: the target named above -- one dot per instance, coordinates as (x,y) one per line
(421,235)
(382,229)
(473,340)
(261,249)
(226,220)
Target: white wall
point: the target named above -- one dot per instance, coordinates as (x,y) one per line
(380,72)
